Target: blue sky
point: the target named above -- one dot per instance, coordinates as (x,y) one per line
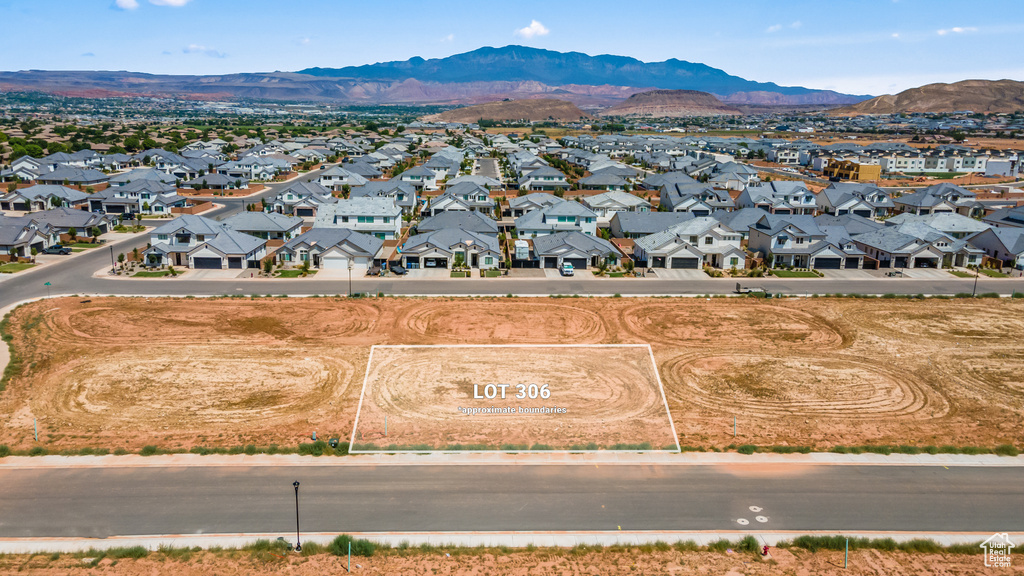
(862,47)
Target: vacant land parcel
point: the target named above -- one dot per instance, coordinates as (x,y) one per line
(556,397)
(176,373)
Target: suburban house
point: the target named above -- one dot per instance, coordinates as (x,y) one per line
(950,223)
(576,248)
(640,224)
(739,220)
(138,174)
(544,178)
(608,204)
(865,200)
(302,199)
(403,193)
(62,220)
(604,181)
(20,235)
(1005,244)
(519,205)
(332,249)
(779,197)
(692,244)
(420,177)
(441,248)
(138,197)
(560,217)
(42,197)
(461,197)
(198,242)
(896,247)
(1006,217)
(336,178)
(380,217)
(944,197)
(74,176)
(217,181)
(265,225)
(472,221)
(798,241)
(698,199)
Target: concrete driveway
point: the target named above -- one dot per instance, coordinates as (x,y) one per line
(678,274)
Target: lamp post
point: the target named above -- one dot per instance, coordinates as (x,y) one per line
(298,545)
(349,277)
(111,259)
(977,272)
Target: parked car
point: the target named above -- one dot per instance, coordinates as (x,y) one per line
(567,269)
(397,269)
(57,249)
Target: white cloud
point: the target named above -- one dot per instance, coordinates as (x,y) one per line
(534,29)
(126,4)
(774,28)
(175,3)
(956,30)
(448,38)
(796,24)
(199,49)
(305,40)
(895,34)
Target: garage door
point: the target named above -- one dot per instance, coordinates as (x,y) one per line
(864,213)
(303,211)
(435,262)
(828,263)
(577,263)
(688,263)
(234,262)
(334,263)
(412,262)
(206,263)
(22,206)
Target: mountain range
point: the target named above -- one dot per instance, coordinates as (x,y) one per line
(988,96)
(482,75)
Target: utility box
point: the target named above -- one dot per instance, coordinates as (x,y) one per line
(522,250)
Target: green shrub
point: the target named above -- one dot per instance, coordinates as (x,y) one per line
(747,449)
(148,450)
(37,451)
(360,547)
(130,552)
(250,449)
(5,450)
(1002,450)
(748,544)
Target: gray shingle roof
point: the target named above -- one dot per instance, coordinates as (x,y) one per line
(462,219)
(262,222)
(328,237)
(577,240)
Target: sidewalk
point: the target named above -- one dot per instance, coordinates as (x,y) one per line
(502,459)
(468,539)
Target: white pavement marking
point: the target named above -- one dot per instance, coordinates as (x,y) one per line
(742,521)
(761,519)
(756,509)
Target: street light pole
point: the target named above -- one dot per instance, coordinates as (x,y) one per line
(349,277)
(111,259)
(977,272)
(298,545)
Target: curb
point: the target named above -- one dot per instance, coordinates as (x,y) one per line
(468,539)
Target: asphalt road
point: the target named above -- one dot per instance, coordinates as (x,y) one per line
(98,502)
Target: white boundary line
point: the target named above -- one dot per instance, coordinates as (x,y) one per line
(657,375)
(664,399)
(359,409)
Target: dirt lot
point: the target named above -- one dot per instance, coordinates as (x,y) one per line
(521,563)
(611,396)
(818,372)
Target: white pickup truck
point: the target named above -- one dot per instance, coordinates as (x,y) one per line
(566,269)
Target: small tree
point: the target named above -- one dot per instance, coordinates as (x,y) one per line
(268,265)
(135,254)
(34,252)
(346,190)
(459,261)
(120,259)
(73,233)
(12,187)
(145,206)
(304,267)
(95,233)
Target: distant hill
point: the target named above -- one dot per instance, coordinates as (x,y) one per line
(988,96)
(537,110)
(525,64)
(670,104)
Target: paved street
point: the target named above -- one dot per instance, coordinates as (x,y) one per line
(101,502)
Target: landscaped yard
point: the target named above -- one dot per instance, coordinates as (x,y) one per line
(11,268)
(794,274)
(293,273)
(152,274)
(961,274)
(993,273)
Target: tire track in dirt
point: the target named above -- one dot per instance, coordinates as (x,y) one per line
(799,386)
(498,322)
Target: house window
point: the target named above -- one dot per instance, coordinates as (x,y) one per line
(799,240)
(161,236)
(387,220)
(693,239)
(734,261)
(344,219)
(488,260)
(709,240)
(364,219)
